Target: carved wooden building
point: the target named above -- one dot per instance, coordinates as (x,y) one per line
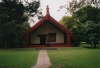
(48,33)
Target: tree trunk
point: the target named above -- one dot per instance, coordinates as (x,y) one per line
(93,44)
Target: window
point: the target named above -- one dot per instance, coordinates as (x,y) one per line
(52,37)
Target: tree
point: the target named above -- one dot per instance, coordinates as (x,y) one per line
(13,22)
(69,22)
(90,23)
(75,5)
(91,33)
(77,36)
(87,13)
(74,26)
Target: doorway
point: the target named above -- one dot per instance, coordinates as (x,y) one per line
(43,39)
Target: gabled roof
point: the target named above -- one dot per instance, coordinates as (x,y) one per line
(51,20)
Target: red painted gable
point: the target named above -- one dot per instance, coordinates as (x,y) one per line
(47,17)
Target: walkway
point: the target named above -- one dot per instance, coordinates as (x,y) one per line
(43,60)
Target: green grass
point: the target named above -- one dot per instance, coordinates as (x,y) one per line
(75,58)
(17,58)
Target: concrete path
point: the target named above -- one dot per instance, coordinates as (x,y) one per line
(43,60)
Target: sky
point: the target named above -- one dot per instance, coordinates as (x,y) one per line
(54,8)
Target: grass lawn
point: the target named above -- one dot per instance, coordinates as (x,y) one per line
(18,58)
(75,58)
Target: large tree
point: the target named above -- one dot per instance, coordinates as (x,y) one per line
(89,18)
(13,21)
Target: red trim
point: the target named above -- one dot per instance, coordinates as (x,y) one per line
(53,45)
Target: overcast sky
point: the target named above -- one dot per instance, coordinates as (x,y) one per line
(55,11)
(54,6)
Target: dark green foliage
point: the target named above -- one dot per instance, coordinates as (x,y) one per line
(88,13)
(77,35)
(92,34)
(32,8)
(13,23)
(90,23)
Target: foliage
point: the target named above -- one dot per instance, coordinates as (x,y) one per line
(89,18)
(69,22)
(92,33)
(13,23)
(75,5)
(74,26)
(87,13)
(77,36)
(31,8)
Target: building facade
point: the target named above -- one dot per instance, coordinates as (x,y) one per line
(49,33)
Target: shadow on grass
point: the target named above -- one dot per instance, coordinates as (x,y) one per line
(91,47)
